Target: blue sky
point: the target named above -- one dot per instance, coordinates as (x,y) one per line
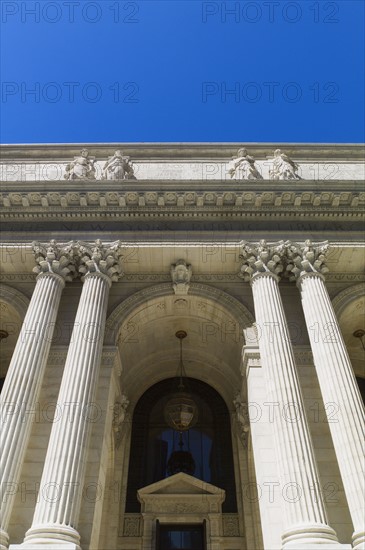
(171,70)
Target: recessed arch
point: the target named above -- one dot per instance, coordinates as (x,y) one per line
(15,299)
(349,306)
(144,328)
(125,308)
(345,297)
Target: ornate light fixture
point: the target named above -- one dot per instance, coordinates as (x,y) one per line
(360,333)
(181,412)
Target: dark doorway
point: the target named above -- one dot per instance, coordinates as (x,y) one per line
(180,537)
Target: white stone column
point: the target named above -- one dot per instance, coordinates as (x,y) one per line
(25,375)
(57,511)
(263,446)
(336,377)
(305,521)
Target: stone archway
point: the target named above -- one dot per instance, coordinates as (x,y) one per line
(349,306)
(13,307)
(143,327)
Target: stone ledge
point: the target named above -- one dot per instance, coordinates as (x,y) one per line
(56,546)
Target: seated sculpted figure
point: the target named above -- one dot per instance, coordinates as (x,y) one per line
(243,167)
(81,167)
(118,167)
(283,167)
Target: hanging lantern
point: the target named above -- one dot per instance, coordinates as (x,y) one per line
(181,411)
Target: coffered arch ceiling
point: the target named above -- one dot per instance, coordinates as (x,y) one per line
(145,328)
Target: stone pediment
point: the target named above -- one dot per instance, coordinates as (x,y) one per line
(180,484)
(179,494)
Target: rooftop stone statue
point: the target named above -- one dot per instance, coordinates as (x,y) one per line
(243,167)
(283,167)
(118,167)
(82,167)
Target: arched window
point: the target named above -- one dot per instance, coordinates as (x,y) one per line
(153,441)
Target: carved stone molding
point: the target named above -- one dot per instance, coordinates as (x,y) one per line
(18,277)
(303,356)
(132,525)
(231,525)
(24,205)
(345,297)
(15,299)
(331,277)
(57,356)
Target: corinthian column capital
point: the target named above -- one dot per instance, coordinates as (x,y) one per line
(262,258)
(306,259)
(96,258)
(55,259)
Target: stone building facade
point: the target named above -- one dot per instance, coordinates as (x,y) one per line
(258,255)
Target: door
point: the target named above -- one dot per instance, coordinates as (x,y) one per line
(180,536)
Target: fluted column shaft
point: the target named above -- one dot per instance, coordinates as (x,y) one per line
(25,375)
(57,510)
(305,519)
(338,386)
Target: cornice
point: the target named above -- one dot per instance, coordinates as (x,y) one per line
(172,151)
(183,200)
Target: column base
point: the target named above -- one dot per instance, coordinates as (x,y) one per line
(320,547)
(52,536)
(48,546)
(358,540)
(310,536)
(4,540)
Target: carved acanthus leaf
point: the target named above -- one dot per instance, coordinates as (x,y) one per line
(52,258)
(262,258)
(307,258)
(100,258)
